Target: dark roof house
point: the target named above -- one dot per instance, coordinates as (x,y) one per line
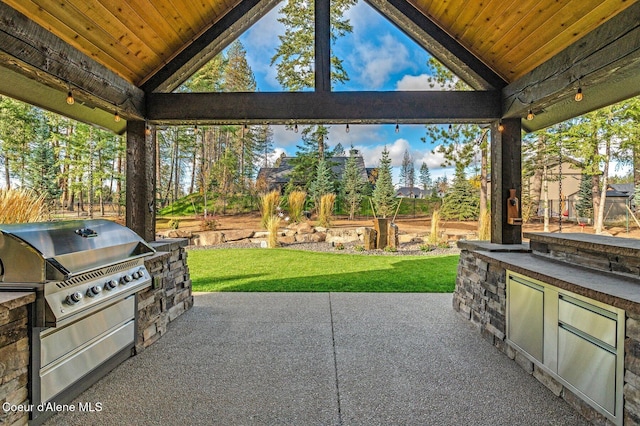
(276,178)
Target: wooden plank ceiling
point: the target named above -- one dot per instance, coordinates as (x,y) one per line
(136,38)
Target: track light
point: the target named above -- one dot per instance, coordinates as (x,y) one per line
(70,99)
(579,96)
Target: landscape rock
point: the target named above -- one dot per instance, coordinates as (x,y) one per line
(179,233)
(302,228)
(342,236)
(209,238)
(237,235)
(310,238)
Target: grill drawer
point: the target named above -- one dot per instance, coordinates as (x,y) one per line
(56,343)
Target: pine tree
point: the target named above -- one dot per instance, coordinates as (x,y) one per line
(425,178)
(384,198)
(407,172)
(323,183)
(462,202)
(584,205)
(352,186)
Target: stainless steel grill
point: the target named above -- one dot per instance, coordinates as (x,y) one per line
(85,274)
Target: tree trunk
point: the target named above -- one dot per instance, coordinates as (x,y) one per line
(7,175)
(599,225)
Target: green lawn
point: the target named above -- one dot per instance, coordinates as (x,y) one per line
(297,270)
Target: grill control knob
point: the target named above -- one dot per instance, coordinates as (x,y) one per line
(110,285)
(94,291)
(126,279)
(74,298)
(136,275)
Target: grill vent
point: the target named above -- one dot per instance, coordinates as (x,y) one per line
(95,275)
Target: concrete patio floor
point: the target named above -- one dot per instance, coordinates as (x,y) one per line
(321,359)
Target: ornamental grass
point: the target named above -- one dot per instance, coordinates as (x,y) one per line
(21,206)
(272,226)
(296,201)
(434,236)
(268,205)
(326,209)
(484,225)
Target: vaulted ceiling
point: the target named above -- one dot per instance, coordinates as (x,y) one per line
(120,55)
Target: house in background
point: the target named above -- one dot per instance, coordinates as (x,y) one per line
(276,178)
(407,192)
(569,172)
(618,202)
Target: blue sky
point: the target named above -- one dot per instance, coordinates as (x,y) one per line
(377,56)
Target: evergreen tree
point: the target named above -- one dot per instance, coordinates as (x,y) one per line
(322,184)
(462,202)
(42,169)
(352,186)
(407,171)
(584,205)
(384,197)
(425,178)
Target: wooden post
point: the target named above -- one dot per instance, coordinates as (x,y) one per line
(322,46)
(506,174)
(141,185)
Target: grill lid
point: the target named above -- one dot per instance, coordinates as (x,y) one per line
(35,252)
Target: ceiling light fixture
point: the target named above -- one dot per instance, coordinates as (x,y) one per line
(70,99)
(530,114)
(578,96)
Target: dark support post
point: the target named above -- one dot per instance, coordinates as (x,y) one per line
(323,46)
(506,173)
(141,186)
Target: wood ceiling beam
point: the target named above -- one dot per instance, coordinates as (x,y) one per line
(605,63)
(211,42)
(30,50)
(322,45)
(441,45)
(324,107)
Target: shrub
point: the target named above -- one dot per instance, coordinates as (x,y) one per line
(272,226)
(339,246)
(358,248)
(21,206)
(427,247)
(268,204)
(296,201)
(208,225)
(390,249)
(326,209)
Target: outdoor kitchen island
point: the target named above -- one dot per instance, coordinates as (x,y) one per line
(166,297)
(566,308)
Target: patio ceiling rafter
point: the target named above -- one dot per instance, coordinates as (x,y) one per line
(605,64)
(211,42)
(54,67)
(324,107)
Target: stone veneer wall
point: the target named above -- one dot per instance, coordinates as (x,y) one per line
(480,296)
(14,355)
(170,293)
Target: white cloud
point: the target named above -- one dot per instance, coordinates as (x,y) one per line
(375,61)
(418,82)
